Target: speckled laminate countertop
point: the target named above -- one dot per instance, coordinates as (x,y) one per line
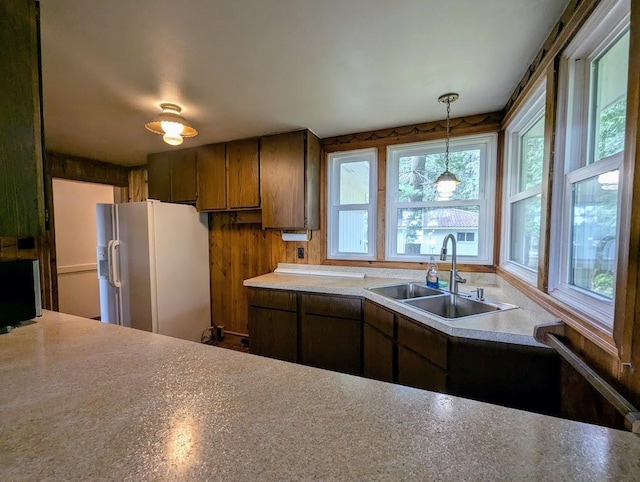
(82,400)
(513,326)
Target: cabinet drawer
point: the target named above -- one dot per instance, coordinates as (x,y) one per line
(274,299)
(379,317)
(423,340)
(333,306)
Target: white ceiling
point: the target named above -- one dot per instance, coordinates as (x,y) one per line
(242,68)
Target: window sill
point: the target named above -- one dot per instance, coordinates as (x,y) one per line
(582,322)
(442,266)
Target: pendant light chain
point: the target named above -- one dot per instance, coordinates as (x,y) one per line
(446,149)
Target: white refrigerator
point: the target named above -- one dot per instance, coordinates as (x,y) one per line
(153,267)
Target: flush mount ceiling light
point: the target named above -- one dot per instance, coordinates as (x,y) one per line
(447,181)
(171,125)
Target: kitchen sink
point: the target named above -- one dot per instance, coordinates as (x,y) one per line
(405,291)
(456,306)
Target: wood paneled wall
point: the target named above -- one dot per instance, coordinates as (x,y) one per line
(239,251)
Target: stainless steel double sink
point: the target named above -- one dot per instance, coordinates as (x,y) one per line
(440,303)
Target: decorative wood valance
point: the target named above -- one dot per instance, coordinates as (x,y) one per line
(417,132)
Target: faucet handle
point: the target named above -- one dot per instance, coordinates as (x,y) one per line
(460,279)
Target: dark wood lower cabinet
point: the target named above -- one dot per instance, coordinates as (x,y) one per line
(273,324)
(518,376)
(330,331)
(323,331)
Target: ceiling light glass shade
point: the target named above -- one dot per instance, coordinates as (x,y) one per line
(446,184)
(171,125)
(172,140)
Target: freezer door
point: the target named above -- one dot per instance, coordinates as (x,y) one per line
(107,236)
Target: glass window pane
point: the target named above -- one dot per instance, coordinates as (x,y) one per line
(525,232)
(422,230)
(532,155)
(416,175)
(593,231)
(609,99)
(352,229)
(354,182)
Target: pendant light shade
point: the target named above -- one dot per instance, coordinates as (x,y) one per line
(171,125)
(447,181)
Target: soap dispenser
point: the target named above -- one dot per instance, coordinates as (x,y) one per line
(432,274)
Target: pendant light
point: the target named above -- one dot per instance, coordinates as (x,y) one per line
(171,125)
(447,181)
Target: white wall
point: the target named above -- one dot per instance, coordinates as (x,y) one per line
(74,205)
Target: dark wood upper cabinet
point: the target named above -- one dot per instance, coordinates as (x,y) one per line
(21,181)
(212,185)
(290,180)
(172,176)
(228,176)
(243,171)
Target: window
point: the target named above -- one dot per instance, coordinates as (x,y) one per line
(595,76)
(418,221)
(352,207)
(466,237)
(524,161)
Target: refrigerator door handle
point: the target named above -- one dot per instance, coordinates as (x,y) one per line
(110,262)
(114,272)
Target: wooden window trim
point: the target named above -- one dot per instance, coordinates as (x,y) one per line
(627,306)
(463,126)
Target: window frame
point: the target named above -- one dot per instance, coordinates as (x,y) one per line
(527,117)
(334,161)
(605,27)
(488,143)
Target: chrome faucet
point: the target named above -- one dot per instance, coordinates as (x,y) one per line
(454,277)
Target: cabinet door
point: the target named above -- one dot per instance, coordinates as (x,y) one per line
(416,371)
(183,176)
(331,343)
(377,354)
(243,167)
(158,176)
(172,176)
(273,333)
(282,177)
(21,181)
(331,332)
(212,189)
